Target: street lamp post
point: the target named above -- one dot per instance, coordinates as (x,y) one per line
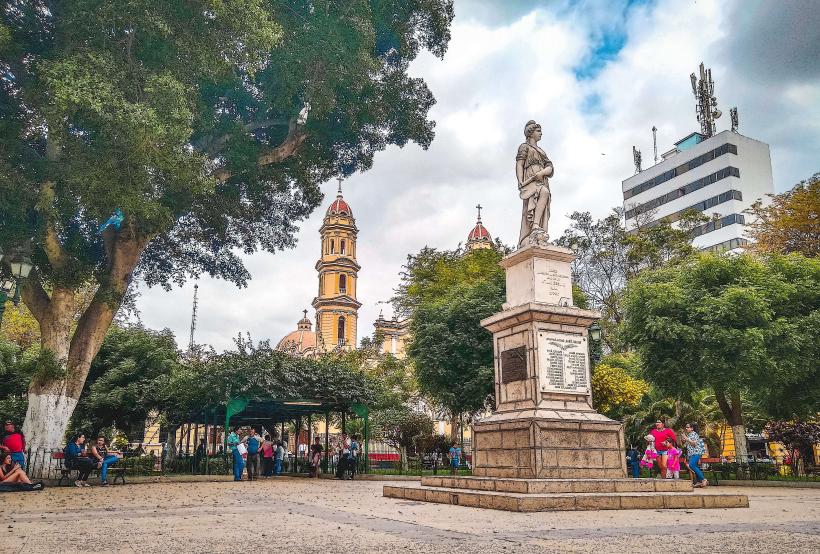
(20,265)
(595,342)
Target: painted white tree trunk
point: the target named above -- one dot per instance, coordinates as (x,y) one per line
(45,425)
(741,452)
(46,420)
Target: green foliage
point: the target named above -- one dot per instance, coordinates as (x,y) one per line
(393,379)
(448,294)
(402,428)
(167,109)
(737,324)
(128,378)
(13,382)
(260,372)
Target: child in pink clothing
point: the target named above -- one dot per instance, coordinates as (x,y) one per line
(650,455)
(673,464)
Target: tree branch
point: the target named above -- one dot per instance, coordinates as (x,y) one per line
(213,144)
(296,136)
(51,244)
(35,296)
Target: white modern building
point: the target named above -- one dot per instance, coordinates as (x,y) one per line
(721,176)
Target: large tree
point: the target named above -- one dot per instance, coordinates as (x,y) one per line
(447,295)
(128,378)
(788,222)
(739,325)
(162,138)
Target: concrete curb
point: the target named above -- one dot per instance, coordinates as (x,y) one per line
(143,479)
(784,484)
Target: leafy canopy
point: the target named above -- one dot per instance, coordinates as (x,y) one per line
(448,294)
(740,325)
(185,114)
(790,222)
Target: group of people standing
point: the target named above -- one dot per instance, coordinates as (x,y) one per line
(664,450)
(251,450)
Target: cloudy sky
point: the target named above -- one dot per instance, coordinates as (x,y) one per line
(597,76)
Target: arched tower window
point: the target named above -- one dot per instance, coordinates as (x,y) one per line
(332,246)
(342,283)
(342,246)
(340,330)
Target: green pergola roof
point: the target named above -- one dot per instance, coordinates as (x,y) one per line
(261,411)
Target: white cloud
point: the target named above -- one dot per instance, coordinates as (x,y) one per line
(498,73)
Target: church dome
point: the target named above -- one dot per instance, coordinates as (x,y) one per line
(339,206)
(479,237)
(479,232)
(302,341)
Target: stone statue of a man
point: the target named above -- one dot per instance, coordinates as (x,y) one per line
(533,169)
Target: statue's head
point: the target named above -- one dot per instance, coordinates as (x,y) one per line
(530,128)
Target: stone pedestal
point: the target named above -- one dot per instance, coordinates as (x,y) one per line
(545,447)
(544,425)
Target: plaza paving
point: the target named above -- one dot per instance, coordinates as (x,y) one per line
(293,514)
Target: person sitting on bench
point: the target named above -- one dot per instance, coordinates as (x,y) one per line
(75,459)
(104,456)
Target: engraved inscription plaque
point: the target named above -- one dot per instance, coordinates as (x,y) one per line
(514,364)
(563,362)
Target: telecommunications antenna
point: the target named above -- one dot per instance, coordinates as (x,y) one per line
(735,119)
(636,157)
(655,142)
(193,319)
(703,89)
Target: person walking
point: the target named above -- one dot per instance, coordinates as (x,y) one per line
(238,462)
(455,458)
(315,457)
(74,458)
(104,458)
(14,442)
(253,444)
(355,450)
(663,437)
(267,457)
(694,450)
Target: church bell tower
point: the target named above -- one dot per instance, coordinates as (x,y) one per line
(336,306)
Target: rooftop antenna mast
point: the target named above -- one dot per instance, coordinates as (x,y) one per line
(655,142)
(636,157)
(735,119)
(193,319)
(706,108)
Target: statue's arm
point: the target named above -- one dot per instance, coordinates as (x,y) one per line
(519,172)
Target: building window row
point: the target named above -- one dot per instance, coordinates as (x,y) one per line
(682,191)
(700,207)
(679,170)
(730,219)
(730,244)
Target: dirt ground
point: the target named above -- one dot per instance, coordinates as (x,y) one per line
(293,514)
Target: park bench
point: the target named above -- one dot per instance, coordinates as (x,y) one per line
(65,473)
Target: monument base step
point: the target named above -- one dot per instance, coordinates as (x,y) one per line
(557,486)
(518,502)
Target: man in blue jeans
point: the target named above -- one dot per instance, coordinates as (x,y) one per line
(104,458)
(279,458)
(633,460)
(238,462)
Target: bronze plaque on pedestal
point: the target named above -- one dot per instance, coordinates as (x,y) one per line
(514,364)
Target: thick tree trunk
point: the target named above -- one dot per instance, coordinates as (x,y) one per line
(52,399)
(733,412)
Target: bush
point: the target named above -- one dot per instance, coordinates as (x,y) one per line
(138,465)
